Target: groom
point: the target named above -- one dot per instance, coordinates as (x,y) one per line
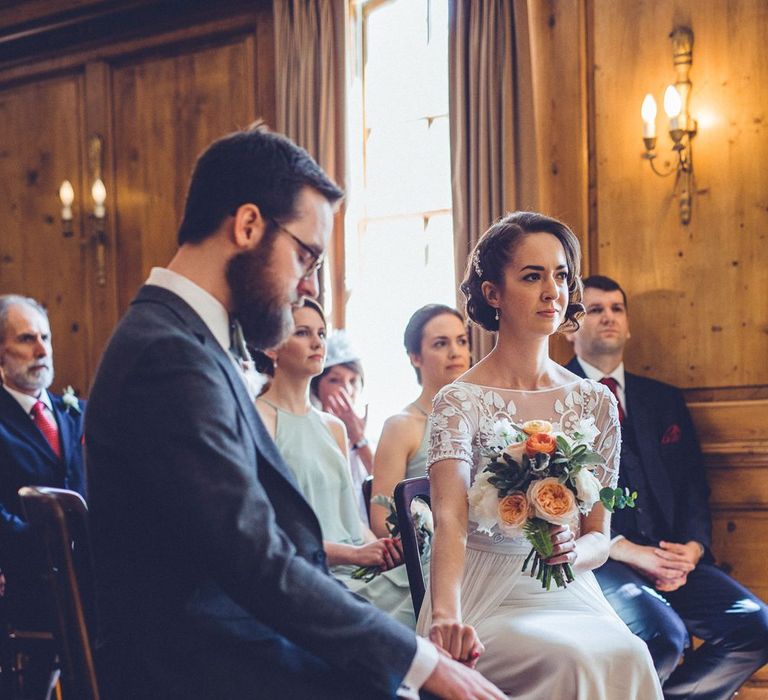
(211,574)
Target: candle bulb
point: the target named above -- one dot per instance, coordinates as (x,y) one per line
(99,194)
(673,104)
(67,196)
(648,113)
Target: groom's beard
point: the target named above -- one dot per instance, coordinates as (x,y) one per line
(263,310)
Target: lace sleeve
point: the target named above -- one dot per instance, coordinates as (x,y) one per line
(452,425)
(608,443)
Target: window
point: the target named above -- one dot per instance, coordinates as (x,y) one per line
(399,224)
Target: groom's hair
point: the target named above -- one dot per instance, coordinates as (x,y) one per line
(494,251)
(254,166)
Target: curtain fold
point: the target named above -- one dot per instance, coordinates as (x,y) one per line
(310,87)
(494,163)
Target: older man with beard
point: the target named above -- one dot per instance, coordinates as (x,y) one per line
(211,574)
(40,443)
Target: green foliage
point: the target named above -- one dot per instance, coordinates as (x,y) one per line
(617,499)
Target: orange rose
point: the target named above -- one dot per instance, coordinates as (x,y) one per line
(513,509)
(540,443)
(552,501)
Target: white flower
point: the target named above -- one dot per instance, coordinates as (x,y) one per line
(587,489)
(483,502)
(589,431)
(70,400)
(504,432)
(422,516)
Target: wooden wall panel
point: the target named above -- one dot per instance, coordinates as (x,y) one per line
(35,259)
(698,293)
(166,110)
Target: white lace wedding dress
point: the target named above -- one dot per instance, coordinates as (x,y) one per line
(559,644)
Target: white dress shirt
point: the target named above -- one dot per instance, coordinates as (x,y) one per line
(596,374)
(216,317)
(27,402)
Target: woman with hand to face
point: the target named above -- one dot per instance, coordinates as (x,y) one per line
(437,344)
(522,282)
(338,391)
(314,446)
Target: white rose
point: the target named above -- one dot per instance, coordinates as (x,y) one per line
(588,429)
(587,489)
(483,502)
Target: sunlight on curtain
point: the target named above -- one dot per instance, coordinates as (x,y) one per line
(399,221)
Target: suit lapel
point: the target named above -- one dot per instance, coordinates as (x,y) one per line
(64,421)
(264,443)
(640,413)
(20,423)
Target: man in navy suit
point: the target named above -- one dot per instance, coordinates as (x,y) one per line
(211,575)
(661,576)
(40,442)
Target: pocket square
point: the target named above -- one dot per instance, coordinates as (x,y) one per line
(671,435)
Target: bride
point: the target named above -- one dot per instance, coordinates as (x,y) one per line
(522,281)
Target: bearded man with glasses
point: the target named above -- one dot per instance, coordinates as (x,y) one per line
(211,575)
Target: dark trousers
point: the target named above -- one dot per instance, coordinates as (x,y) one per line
(732,622)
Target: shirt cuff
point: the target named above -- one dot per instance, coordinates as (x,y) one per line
(424,662)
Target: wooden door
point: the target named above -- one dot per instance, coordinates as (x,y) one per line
(42,144)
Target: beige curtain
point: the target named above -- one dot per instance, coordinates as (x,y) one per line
(494,166)
(309,69)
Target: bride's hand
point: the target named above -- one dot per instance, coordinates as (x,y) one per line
(564,543)
(458,640)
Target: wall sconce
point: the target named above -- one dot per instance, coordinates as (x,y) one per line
(99,214)
(681,127)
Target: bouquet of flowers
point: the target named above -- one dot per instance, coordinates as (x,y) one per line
(537,476)
(422,521)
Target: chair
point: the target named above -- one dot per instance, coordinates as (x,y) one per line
(61,519)
(405,492)
(367,487)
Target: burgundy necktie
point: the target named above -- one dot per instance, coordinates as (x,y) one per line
(47,425)
(613,385)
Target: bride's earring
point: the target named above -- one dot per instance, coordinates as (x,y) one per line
(497,314)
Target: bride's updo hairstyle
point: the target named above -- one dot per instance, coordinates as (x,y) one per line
(494,252)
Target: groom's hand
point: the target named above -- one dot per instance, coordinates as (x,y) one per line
(453,681)
(653,563)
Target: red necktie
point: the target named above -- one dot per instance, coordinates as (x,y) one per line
(613,385)
(47,425)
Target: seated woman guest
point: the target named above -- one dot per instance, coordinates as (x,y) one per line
(314,445)
(337,391)
(438,346)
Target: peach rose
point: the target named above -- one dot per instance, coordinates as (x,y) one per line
(552,501)
(516,451)
(537,426)
(540,443)
(513,512)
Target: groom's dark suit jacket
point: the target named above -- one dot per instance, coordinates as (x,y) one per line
(202,541)
(671,459)
(26,459)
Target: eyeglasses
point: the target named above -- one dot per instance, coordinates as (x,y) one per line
(315,259)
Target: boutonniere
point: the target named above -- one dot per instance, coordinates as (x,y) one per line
(71,401)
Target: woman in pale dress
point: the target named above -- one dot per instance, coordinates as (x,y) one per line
(337,391)
(522,281)
(314,446)
(437,344)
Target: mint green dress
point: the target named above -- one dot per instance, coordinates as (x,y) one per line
(322,473)
(417,464)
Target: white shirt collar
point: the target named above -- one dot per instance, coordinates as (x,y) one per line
(596,374)
(27,402)
(205,305)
